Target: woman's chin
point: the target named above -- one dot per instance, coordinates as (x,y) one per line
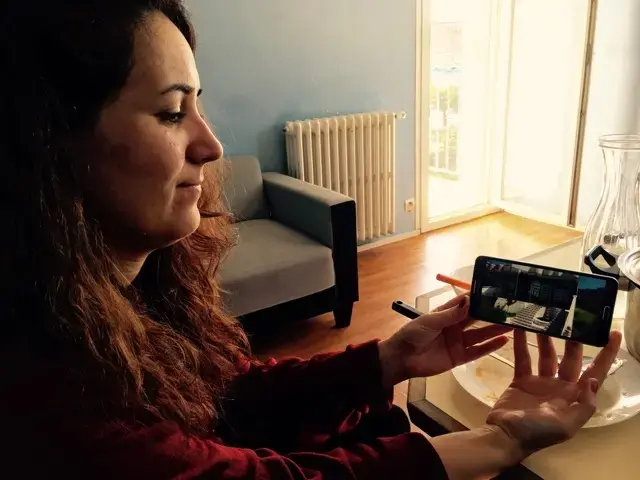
(181,227)
(188,223)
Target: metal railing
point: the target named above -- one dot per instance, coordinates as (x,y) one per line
(444,121)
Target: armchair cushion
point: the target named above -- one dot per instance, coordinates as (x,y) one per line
(326,216)
(273,264)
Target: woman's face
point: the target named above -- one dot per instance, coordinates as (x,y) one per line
(145,166)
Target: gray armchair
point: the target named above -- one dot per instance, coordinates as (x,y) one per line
(296,253)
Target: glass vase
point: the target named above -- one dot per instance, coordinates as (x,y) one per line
(615,223)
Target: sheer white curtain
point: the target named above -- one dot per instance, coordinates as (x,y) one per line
(614,93)
(544,74)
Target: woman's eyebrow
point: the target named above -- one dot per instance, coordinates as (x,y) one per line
(181,87)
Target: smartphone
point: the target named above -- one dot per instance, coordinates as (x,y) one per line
(541,299)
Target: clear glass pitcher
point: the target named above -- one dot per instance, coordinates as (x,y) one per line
(615,223)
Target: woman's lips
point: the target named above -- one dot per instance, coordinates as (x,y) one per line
(194,190)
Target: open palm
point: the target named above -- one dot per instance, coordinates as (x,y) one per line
(545,409)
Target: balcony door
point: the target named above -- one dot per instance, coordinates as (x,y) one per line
(503,112)
(457,50)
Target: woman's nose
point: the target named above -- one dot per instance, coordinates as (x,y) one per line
(205,146)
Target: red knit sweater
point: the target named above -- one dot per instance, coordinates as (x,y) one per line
(276,427)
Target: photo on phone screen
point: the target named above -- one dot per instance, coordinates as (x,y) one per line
(558,303)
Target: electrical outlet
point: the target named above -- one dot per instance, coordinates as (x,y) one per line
(410,205)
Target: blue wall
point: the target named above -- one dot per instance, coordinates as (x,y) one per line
(263,62)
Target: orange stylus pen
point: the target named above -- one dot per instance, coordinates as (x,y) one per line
(453,281)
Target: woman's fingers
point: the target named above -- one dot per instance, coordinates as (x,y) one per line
(477,335)
(581,411)
(571,364)
(521,354)
(477,351)
(461,301)
(459,291)
(454,302)
(547,357)
(600,366)
(454,315)
(467,323)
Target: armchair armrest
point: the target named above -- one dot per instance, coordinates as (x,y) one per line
(326,216)
(306,207)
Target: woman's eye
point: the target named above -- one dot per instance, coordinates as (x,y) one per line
(171,117)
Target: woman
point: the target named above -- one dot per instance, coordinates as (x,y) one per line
(118,360)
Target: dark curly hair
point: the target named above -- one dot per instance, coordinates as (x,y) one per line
(163,345)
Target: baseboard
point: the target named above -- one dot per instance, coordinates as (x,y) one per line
(388,240)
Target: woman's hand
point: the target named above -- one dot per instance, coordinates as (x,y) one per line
(538,411)
(437,342)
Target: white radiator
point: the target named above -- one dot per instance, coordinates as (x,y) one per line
(354,155)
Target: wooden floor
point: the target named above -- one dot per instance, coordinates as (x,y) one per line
(404,270)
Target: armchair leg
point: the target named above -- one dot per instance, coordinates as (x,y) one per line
(342,314)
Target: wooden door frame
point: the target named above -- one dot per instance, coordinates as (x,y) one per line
(423,80)
(584,105)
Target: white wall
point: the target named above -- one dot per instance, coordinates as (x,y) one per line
(614,95)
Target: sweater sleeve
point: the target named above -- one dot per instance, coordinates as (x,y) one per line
(293,403)
(163,451)
(51,438)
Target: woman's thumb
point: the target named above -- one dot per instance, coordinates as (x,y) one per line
(448,317)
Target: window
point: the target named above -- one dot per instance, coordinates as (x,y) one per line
(534,292)
(444,96)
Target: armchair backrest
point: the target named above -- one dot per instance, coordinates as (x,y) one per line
(243,188)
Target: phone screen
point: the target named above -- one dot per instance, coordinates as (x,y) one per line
(558,303)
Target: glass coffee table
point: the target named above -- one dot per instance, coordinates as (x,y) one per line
(439,405)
